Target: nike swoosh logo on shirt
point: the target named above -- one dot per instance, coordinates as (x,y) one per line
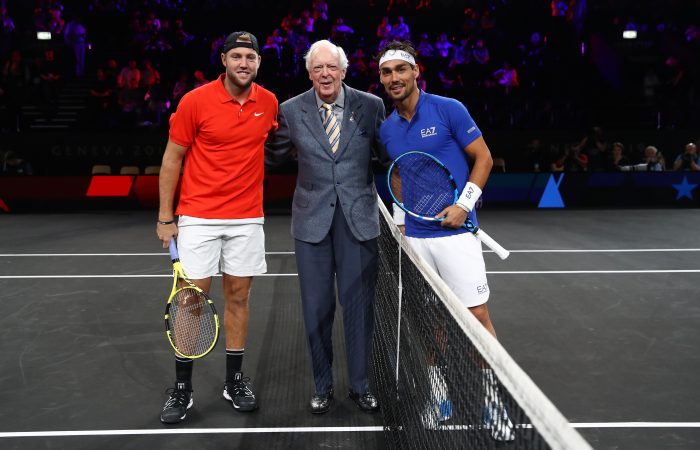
(258,114)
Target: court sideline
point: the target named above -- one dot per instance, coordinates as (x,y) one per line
(598,306)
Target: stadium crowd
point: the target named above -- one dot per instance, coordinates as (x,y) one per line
(520,65)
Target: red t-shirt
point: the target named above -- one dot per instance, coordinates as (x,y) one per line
(225,162)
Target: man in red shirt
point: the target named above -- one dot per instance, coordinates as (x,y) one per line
(220,130)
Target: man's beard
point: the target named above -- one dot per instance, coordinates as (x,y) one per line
(237,82)
(401,97)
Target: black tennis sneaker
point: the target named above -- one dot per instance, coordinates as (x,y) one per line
(178,403)
(239,394)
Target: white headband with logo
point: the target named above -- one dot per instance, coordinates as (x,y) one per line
(397,54)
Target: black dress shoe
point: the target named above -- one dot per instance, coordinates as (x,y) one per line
(321,403)
(366,402)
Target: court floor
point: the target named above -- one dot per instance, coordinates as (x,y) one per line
(600,307)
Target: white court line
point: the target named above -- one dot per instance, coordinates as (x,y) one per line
(600,250)
(301,430)
(10,255)
(504,272)
(170,275)
(570,272)
(606,250)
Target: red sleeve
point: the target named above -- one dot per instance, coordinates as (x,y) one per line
(183,122)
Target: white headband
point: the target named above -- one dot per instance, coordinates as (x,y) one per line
(397,54)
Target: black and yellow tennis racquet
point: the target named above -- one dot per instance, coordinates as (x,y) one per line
(191,322)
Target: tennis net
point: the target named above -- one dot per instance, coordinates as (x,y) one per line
(443,382)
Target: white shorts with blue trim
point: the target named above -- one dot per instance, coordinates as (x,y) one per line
(459,262)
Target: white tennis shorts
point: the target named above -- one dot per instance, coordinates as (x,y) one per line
(459,262)
(234,249)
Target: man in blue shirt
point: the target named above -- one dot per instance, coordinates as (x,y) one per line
(443,128)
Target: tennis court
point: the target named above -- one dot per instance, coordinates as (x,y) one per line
(599,307)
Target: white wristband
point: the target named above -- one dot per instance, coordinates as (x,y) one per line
(399,215)
(470,195)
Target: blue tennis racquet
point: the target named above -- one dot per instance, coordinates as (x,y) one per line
(422,186)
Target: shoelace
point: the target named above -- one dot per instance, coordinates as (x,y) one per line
(178,397)
(241,387)
(367,397)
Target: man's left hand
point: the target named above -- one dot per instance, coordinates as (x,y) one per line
(454,216)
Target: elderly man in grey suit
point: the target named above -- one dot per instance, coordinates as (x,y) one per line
(335,132)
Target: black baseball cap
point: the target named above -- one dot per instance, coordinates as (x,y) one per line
(233,42)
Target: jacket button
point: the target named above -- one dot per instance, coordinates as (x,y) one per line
(332,204)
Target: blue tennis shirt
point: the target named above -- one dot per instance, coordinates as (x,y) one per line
(443,128)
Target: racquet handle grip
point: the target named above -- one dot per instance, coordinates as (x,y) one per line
(173,249)
(490,243)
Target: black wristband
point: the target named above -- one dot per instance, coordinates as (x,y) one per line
(166,222)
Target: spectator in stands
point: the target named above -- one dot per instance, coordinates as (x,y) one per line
(56,22)
(533,159)
(383,29)
(617,158)
(271,50)
(450,80)
(130,102)
(653,159)
(217,43)
(507,76)
(13,164)
(182,37)
(651,84)
(39,21)
(74,36)
(157,104)
(482,57)
(49,77)
(341,32)
(306,22)
(443,47)
(357,66)
(689,159)
(400,30)
(572,159)
(425,49)
(7,33)
(471,21)
(15,83)
(150,76)
(481,53)
(181,87)
(129,74)
(7,25)
(320,15)
(101,101)
(199,79)
(462,54)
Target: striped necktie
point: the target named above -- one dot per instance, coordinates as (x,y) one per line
(332,126)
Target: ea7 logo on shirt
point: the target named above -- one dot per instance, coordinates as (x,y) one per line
(427,132)
(482,289)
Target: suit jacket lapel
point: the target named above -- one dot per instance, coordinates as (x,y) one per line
(312,120)
(351,117)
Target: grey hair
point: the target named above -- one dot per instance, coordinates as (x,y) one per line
(342,59)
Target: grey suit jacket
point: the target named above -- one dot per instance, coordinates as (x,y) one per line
(324,177)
